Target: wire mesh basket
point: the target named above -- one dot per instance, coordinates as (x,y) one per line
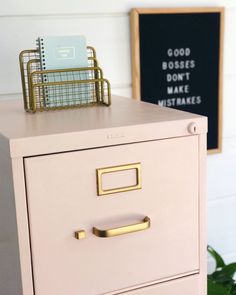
(62,88)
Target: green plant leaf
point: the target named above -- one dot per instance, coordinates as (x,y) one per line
(222,278)
(233,290)
(229,269)
(221,281)
(219,260)
(216,289)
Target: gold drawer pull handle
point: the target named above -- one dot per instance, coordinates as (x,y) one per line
(145,224)
(102,171)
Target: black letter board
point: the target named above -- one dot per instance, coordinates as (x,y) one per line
(177,62)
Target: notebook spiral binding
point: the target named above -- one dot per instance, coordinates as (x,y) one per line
(40,48)
(62,88)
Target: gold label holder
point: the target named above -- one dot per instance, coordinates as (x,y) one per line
(101,171)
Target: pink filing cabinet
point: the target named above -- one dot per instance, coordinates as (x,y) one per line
(102,201)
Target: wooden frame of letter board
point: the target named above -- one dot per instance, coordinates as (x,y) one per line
(135,44)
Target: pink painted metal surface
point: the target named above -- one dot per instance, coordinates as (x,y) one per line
(188,285)
(62,198)
(125,121)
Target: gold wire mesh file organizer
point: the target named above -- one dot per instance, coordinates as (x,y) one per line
(63,88)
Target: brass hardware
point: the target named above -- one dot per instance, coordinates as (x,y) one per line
(145,224)
(62,88)
(101,171)
(80,234)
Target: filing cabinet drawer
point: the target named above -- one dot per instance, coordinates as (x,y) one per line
(188,285)
(74,229)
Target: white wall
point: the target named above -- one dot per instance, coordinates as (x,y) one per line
(106,26)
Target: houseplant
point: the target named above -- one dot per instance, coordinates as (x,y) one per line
(221,281)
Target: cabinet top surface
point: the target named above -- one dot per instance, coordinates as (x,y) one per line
(17,126)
